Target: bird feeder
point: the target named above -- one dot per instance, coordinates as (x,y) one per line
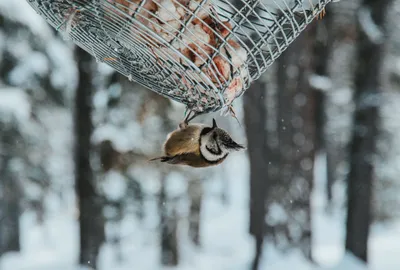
(202,53)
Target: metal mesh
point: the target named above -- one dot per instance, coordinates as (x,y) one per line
(202,53)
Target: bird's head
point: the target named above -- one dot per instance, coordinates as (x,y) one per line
(216,143)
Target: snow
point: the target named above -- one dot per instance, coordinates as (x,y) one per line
(321,83)
(114,185)
(327,250)
(329,234)
(276,215)
(35,63)
(121,137)
(373,31)
(342,96)
(15,100)
(226,243)
(176,184)
(349,262)
(22,12)
(63,66)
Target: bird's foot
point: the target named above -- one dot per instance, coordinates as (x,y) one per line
(183,124)
(322,14)
(189,116)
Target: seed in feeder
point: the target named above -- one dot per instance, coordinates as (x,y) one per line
(236,53)
(167,10)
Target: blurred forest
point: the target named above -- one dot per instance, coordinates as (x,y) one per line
(317,188)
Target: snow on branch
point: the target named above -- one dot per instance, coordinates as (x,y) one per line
(319,82)
(369,27)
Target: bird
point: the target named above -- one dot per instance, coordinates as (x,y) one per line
(198,145)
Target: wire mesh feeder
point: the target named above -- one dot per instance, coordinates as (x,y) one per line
(202,53)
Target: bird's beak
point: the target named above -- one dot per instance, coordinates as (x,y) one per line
(231,144)
(238,147)
(214,124)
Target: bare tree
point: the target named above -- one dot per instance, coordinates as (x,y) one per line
(91,220)
(370,54)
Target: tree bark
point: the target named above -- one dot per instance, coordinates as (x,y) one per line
(255,115)
(91,219)
(169,229)
(289,194)
(195,191)
(322,53)
(10,189)
(365,127)
(10,212)
(304,150)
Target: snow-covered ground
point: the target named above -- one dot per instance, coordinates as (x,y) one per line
(225,240)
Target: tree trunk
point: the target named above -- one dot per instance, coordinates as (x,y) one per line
(365,128)
(255,120)
(304,143)
(10,190)
(91,220)
(169,229)
(10,212)
(322,53)
(195,191)
(289,194)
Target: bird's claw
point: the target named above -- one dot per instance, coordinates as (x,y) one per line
(322,14)
(183,124)
(189,117)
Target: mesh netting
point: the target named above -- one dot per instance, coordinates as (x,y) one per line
(202,53)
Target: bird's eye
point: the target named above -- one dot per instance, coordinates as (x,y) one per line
(215,136)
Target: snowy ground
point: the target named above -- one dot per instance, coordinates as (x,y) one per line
(226,244)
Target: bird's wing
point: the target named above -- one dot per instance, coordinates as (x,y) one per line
(190,159)
(178,159)
(183,141)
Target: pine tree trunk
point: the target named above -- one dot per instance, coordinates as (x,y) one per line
(169,229)
(91,219)
(304,142)
(10,209)
(255,115)
(365,128)
(10,189)
(290,194)
(195,191)
(322,53)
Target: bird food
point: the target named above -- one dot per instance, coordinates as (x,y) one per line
(202,53)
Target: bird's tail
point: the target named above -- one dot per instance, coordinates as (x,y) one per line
(162,159)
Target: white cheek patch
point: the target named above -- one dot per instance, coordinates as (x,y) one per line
(207,154)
